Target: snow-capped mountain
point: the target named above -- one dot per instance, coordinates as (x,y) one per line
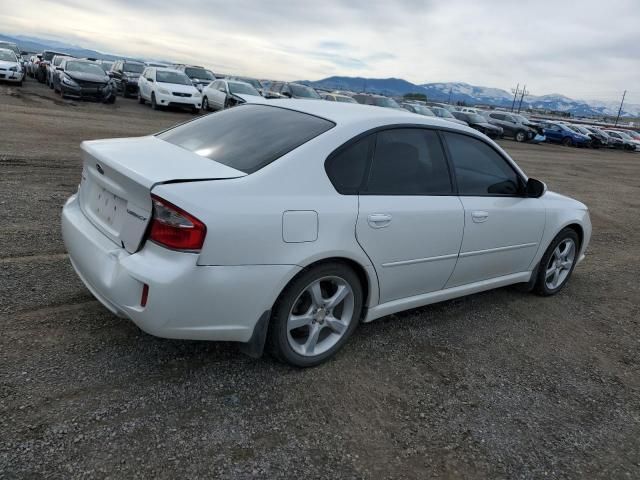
(472,94)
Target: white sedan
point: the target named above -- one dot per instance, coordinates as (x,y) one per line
(289,223)
(222,94)
(10,67)
(167,87)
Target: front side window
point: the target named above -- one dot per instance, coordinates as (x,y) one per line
(408,161)
(247,137)
(479,169)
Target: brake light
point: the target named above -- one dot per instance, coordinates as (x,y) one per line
(174,228)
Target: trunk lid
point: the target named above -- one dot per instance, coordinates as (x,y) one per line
(119,174)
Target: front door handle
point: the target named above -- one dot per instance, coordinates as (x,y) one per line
(379,220)
(480,216)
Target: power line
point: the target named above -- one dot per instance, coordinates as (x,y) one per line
(524,92)
(515,94)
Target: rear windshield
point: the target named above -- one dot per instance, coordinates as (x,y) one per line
(247,137)
(133,67)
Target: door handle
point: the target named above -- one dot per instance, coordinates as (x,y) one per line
(379,220)
(480,216)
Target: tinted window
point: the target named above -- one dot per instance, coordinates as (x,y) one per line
(247,137)
(133,67)
(346,167)
(199,73)
(177,78)
(497,116)
(479,169)
(408,161)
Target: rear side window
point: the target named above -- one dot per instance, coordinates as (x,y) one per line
(408,161)
(479,169)
(247,137)
(346,168)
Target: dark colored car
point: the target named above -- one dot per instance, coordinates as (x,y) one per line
(294,90)
(597,139)
(511,125)
(84,79)
(254,82)
(561,133)
(376,100)
(478,122)
(46,57)
(199,76)
(125,74)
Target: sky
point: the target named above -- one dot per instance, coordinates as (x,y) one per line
(583,49)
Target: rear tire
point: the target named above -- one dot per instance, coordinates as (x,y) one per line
(557,263)
(306,327)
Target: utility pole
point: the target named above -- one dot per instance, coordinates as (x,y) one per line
(620,109)
(524,92)
(449,102)
(515,94)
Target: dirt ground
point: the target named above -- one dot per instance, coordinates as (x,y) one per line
(497,385)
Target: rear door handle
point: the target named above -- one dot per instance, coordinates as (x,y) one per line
(379,220)
(480,216)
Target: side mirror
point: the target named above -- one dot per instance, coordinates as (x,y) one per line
(150,80)
(60,69)
(535,188)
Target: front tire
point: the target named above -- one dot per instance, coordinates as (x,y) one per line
(567,142)
(205,104)
(315,315)
(520,136)
(557,263)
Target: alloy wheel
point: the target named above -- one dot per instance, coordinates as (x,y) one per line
(560,264)
(320,316)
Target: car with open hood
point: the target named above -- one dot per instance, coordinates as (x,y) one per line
(10,67)
(168,87)
(83,79)
(225,93)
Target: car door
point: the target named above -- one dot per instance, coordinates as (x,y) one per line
(553,133)
(500,120)
(218,95)
(503,227)
(410,222)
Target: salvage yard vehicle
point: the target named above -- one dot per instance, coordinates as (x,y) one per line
(125,74)
(596,141)
(337,97)
(254,82)
(445,114)
(52,69)
(417,108)
(228,93)
(83,79)
(43,65)
(478,122)
(630,143)
(168,87)
(511,125)
(560,133)
(199,76)
(294,90)
(376,100)
(10,67)
(287,223)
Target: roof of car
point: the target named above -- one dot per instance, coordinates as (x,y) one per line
(350,113)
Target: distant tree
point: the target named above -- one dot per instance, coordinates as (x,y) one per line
(415,96)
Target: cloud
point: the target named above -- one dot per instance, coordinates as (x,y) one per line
(579,49)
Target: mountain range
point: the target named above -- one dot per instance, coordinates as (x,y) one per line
(474,95)
(453,91)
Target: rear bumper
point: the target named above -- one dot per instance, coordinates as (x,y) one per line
(185,300)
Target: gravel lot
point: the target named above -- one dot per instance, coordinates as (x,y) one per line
(497,385)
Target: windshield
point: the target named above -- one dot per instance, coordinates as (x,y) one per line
(178,78)
(251,81)
(475,118)
(133,67)
(199,73)
(385,102)
(624,135)
(47,56)
(303,91)
(106,66)
(242,88)
(7,56)
(57,61)
(247,137)
(84,67)
(442,112)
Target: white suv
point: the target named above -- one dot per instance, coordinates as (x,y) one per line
(166,87)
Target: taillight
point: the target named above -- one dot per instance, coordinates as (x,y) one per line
(174,228)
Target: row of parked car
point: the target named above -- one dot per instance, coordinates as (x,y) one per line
(197,88)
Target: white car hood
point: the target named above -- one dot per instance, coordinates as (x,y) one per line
(7,65)
(176,87)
